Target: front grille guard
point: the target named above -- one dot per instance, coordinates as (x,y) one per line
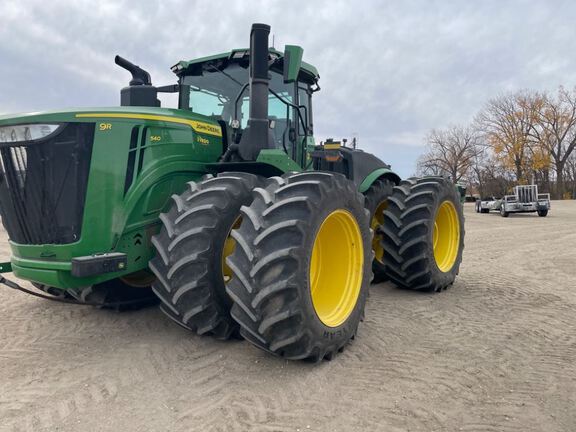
(43,185)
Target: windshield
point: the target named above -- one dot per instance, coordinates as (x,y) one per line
(215,91)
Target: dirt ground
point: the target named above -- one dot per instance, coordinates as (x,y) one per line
(497,352)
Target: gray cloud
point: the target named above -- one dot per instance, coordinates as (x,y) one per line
(390,71)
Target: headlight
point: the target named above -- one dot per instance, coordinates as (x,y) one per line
(29,132)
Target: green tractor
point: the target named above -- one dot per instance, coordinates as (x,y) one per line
(225,208)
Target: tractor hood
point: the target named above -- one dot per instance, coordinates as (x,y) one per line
(37,125)
(117,113)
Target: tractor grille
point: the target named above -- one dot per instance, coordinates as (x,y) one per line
(43,185)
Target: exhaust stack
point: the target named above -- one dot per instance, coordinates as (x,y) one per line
(257,135)
(140,91)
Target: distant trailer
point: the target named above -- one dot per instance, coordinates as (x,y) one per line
(484,205)
(526,199)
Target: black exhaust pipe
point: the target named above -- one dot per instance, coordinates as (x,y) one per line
(139,75)
(257,135)
(140,91)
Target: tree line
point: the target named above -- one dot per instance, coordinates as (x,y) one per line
(517,138)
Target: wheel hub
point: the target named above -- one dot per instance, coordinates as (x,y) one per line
(336,268)
(446,236)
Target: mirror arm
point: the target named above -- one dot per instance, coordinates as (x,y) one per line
(172,88)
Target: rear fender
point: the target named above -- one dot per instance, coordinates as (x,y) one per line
(377,174)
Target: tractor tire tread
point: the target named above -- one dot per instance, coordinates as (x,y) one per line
(270,276)
(378,192)
(190,283)
(407,234)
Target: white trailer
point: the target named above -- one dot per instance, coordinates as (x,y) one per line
(526,199)
(486,204)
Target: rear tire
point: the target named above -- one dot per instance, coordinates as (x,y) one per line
(302,231)
(503,212)
(189,252)
(376,202)
(424,234)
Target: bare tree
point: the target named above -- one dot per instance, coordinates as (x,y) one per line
(555,132)
(507,122)
(479,168)
(570,168)
(520,137)
(451,153)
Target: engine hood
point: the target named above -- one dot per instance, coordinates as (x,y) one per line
(211,127)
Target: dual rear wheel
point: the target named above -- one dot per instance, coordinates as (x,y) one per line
(423,236)
(285,262)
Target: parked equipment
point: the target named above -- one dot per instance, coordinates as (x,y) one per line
(486,204)
(224,206)
(525,199)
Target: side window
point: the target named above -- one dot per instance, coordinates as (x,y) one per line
(279,113)
(244,112)
(282,116)
(304,100)
(276,109)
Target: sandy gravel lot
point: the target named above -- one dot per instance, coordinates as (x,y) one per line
(497,352)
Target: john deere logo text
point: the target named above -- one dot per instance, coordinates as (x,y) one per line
(206,128)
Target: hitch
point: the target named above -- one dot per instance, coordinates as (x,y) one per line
(15,286)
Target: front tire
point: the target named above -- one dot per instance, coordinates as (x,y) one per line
(424,234)
(543,213)
(190,249)
(302,267)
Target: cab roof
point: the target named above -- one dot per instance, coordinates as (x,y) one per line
(182,66)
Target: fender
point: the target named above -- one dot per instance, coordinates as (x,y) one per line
(375,175)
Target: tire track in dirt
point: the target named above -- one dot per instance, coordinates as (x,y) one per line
(494,353)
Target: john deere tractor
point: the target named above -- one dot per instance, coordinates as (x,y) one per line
(225,208)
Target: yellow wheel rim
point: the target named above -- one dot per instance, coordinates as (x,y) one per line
(336,268)
(229,246)
(446,236)
(378,220)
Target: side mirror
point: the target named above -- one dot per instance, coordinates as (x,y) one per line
(292,62)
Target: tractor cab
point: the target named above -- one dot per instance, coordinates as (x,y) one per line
(218,87)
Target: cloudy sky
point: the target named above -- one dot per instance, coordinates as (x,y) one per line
(390,70)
